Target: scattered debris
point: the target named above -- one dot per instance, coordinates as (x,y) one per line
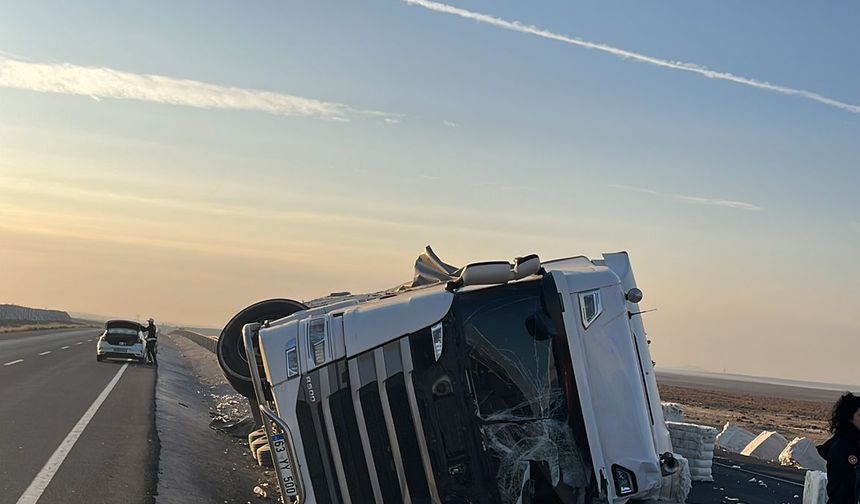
(232,415)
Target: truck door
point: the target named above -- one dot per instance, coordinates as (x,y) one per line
(609,382)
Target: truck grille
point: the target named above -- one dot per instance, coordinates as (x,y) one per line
(361,431)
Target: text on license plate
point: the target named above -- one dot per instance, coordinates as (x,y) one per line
(279,445)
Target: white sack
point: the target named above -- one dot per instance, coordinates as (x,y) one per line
(700,463)
(815,487)
(801,453)
(692,445)
(676,487)
(696,444)
(766,446)
(697,474)
(733,438)
(673,412)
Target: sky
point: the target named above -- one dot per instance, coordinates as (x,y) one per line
(182,160)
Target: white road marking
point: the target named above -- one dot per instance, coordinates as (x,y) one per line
(65,347)
(79,342)
(13,362)
(45,353)
(89,340)
(40,482)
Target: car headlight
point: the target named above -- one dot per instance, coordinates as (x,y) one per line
(625,481)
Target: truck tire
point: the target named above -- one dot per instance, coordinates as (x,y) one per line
(230,348)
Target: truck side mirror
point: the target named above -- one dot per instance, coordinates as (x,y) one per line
(634,295)
(540,326)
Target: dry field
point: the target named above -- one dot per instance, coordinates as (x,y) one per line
(753,411)
(8,327)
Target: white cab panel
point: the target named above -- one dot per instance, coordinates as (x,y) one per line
(375,323)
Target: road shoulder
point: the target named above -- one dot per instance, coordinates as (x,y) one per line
(196,463)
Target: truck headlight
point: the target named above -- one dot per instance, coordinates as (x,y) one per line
(438,341)
(625,480)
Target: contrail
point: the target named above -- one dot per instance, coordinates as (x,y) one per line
(698,200)
(100,82)
(630,55)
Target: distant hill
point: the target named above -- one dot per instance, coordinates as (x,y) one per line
(97,317)
(166,324)
(15,313)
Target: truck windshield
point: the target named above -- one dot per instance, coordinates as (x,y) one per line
(520,395)
(511,368)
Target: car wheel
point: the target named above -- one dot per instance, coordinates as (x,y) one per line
(99,358)
(231,349)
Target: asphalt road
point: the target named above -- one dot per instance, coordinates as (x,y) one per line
(73,429)
(739,479)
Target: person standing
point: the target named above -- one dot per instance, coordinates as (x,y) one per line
(151,339)
(842,452)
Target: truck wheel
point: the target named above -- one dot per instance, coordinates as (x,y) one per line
(230,348)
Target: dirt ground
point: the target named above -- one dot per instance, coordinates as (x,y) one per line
(7,326)
(754,412)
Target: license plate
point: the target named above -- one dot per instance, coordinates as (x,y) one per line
(288,481)
(121,349)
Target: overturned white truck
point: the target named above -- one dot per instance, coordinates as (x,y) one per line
(499,382)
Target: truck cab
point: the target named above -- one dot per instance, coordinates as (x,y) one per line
(521,382)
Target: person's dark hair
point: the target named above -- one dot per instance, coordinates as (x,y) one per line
(843,413)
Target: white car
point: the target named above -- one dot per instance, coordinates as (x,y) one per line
(122,339)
